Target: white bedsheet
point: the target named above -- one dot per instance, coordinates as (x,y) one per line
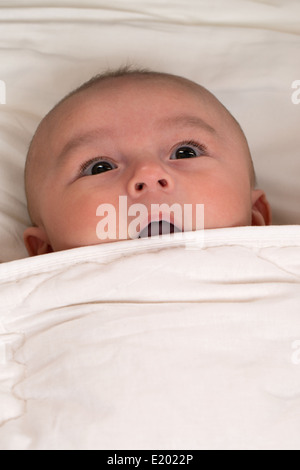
(148,344)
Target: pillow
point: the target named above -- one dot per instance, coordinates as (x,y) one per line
(246,55)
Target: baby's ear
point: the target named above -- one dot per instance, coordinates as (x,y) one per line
(261,209)
(36,241)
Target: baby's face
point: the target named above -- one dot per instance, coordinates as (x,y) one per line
(154,141)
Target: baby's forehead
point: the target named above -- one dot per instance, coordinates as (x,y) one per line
(140,92)
(137,87)
(66,118)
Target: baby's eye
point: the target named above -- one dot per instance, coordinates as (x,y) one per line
(188,150)
(96,166)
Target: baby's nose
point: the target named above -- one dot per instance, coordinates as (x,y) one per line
(150,178)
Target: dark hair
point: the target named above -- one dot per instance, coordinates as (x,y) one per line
(109,74)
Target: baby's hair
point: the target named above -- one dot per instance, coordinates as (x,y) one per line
(109,74)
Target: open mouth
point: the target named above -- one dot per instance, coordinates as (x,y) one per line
(161,227)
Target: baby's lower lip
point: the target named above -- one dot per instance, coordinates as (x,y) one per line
(161,227)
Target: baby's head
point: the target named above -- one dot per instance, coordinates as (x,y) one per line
(154,138)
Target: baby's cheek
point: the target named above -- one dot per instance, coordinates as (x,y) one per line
(82,220)
(227,208)
(73,225)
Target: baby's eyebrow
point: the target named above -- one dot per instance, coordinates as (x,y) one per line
(182,120)
(81,139)
(186,120)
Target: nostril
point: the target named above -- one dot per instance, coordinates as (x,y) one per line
(139,186)
(163,183)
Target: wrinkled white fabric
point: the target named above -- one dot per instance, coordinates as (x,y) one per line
(154,344)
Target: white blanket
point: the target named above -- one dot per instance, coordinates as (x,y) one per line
(154,344)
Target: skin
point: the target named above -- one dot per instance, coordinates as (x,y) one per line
(137,129)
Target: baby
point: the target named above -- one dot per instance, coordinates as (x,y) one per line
(152,137)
